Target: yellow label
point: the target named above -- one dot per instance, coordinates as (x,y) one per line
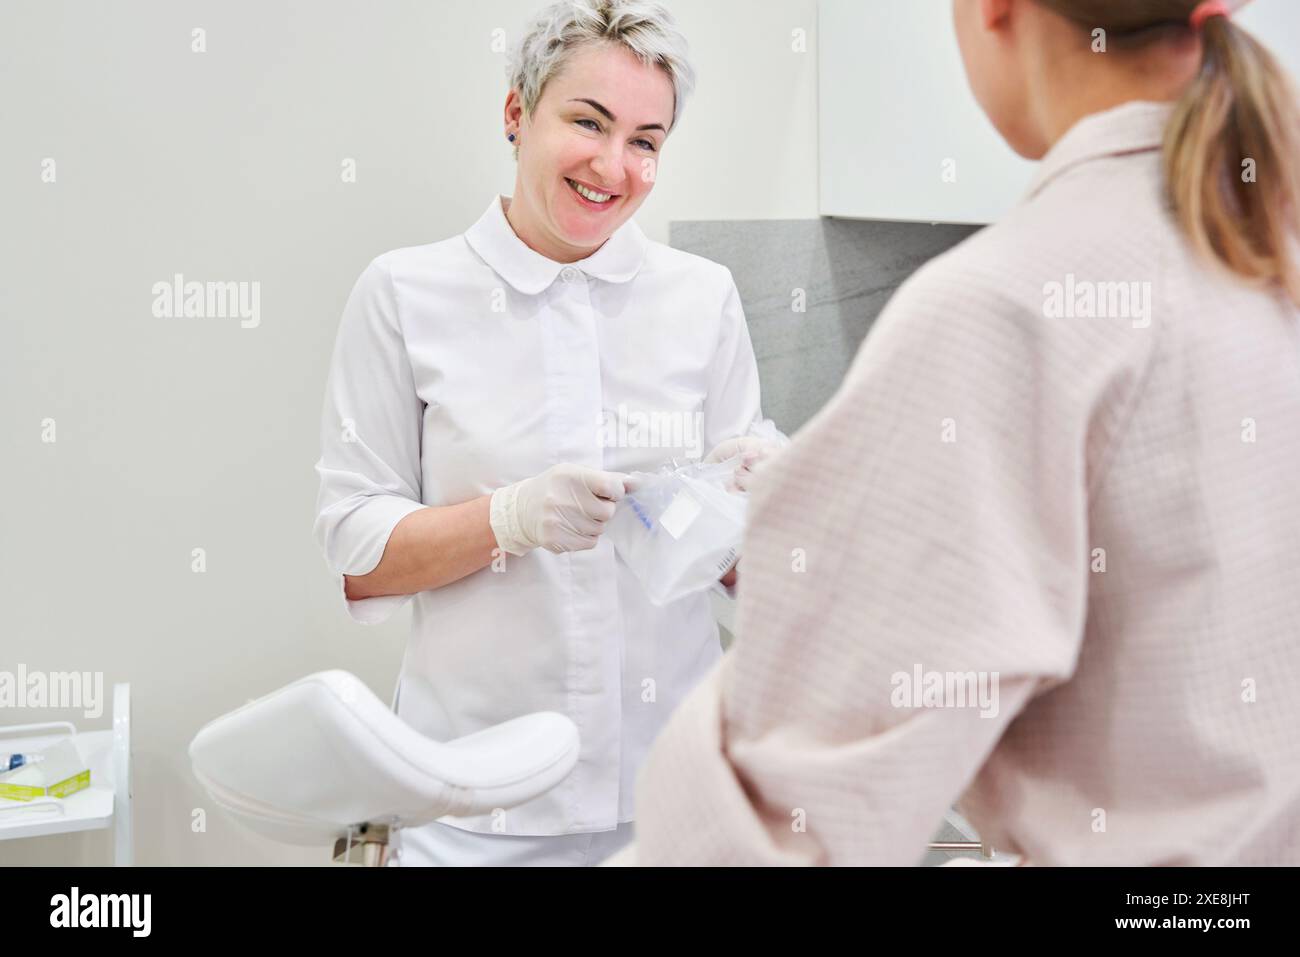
(26,792)
(70,785)
(20,792)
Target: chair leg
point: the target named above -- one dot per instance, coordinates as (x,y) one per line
(369,841)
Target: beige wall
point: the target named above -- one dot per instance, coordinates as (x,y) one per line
(174,434)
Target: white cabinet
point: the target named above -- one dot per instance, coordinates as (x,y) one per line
(1276,24)
(901,136)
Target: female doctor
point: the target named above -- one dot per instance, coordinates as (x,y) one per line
(486,397)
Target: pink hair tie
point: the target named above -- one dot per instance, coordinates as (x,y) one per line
(1207,9)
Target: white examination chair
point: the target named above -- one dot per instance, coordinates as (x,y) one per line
(324,761)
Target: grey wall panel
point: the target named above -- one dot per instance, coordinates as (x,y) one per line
(848,270)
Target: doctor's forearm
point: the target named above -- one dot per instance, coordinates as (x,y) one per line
(428,549)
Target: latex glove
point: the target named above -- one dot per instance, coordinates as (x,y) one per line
(753,452)
(563,509)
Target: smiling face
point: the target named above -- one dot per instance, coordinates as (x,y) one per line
(598,129)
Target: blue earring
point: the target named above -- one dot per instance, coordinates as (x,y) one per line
(512,137)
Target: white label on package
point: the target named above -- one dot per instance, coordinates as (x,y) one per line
(679,514)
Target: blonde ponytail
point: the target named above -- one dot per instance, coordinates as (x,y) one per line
(1232,149)
(1232,159)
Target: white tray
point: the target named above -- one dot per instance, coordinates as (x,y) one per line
(106,802)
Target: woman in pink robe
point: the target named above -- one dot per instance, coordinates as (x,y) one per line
(1040,554)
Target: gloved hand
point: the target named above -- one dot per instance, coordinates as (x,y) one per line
(563,509)
(753,452)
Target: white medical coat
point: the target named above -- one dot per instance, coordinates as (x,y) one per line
(465,365)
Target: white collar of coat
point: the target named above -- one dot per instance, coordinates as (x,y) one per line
(494,239)
(1133,127)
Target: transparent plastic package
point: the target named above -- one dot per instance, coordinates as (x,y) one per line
(678,529)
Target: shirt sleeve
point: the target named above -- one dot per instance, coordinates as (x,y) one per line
(733,407)
(733,403)
(370,441)
(931,520)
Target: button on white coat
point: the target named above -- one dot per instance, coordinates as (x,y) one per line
(462,366)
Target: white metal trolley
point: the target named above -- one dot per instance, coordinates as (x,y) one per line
(105,803)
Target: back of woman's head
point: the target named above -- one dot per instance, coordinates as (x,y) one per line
(1232,149)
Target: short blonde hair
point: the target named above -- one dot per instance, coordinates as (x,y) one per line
(642,26)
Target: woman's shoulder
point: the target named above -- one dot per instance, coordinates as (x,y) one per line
(1049,248)
(453,252)
(1030,286)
